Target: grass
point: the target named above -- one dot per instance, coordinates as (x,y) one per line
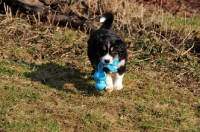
(46,82)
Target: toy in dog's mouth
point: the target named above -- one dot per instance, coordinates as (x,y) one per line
(100,75)
(111,67)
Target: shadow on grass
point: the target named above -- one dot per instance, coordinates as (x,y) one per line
(62,78)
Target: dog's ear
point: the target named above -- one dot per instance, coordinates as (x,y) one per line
(99,38)
(121,46)
(97,46)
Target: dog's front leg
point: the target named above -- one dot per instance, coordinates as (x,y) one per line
(109,83)
(118,81)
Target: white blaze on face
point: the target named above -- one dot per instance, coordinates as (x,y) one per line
(107,57)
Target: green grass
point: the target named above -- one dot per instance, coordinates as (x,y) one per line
(29,105)
(178,22)
(46,83)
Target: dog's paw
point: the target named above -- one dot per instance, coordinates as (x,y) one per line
(109,89)
(118,85)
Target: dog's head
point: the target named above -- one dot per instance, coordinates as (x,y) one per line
(109,48)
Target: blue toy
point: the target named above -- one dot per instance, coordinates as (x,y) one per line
(100,75)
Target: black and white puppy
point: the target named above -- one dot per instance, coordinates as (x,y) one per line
(106,46)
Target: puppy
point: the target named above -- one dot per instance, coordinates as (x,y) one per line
(106,46)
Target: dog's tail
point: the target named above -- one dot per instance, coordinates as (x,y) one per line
(107,20)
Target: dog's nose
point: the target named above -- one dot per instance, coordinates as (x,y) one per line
(106,61)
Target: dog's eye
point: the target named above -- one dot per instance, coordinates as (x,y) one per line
(111,49)
(104,47)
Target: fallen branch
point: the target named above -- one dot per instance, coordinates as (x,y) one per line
(169,43)
(45,13)
(188,50)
